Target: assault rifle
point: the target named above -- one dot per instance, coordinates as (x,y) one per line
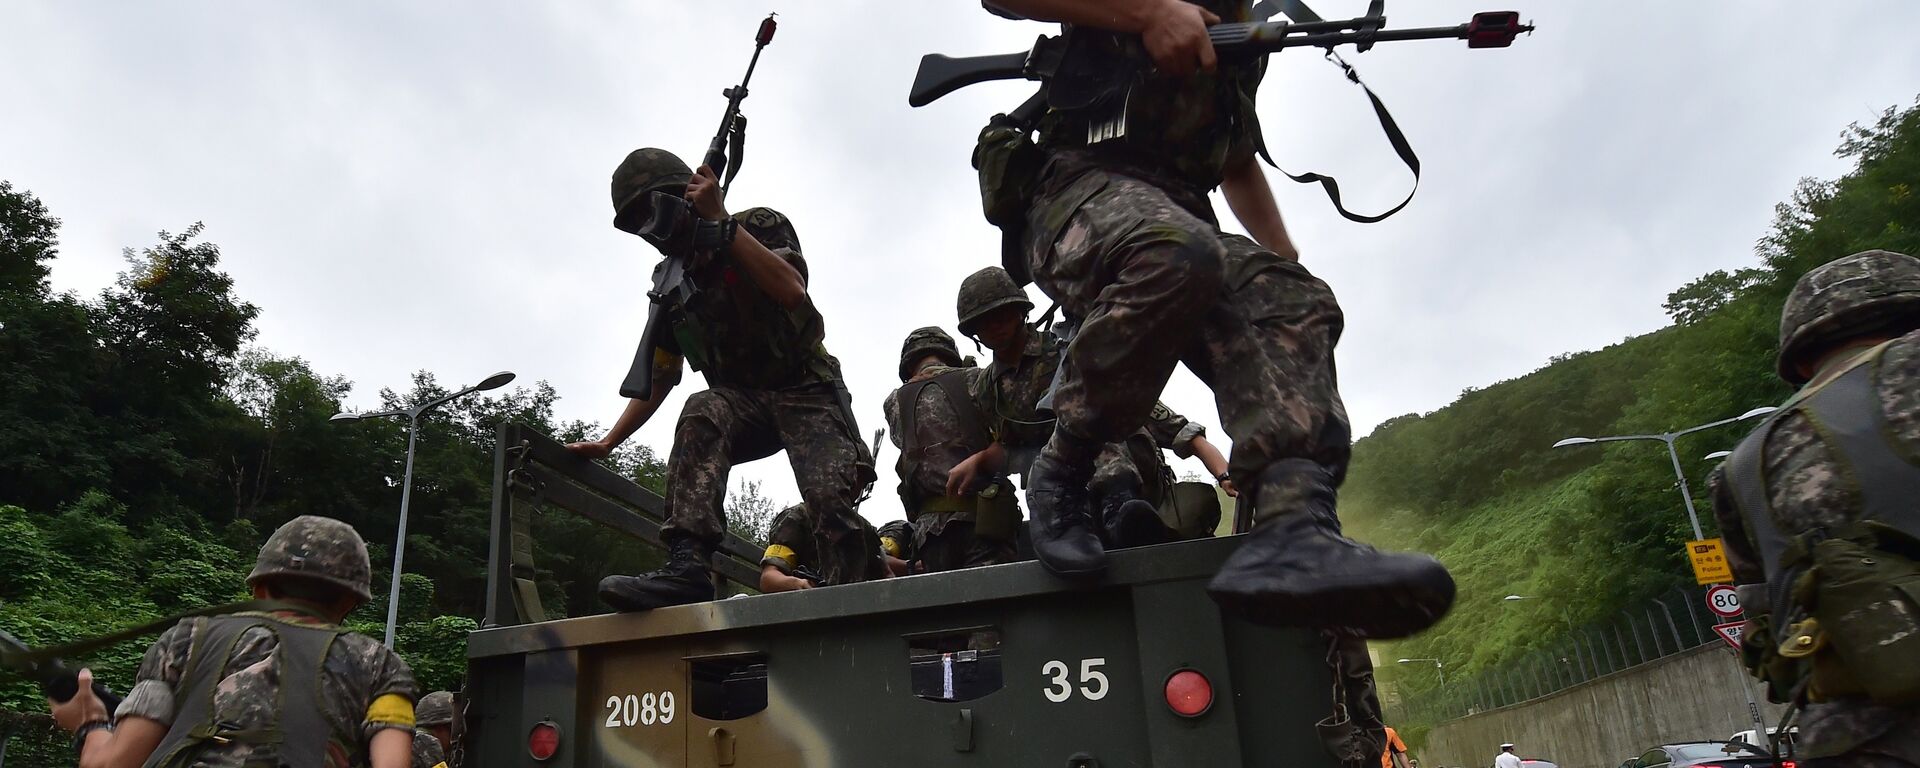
(56,680)
(671,226)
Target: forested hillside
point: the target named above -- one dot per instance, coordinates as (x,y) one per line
(147,449)
(1595,528)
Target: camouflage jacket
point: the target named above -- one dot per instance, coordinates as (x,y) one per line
(1179,131)
(941,438)
(358,671)
(790,542)
(736,335)
(426,750)
(1806,488)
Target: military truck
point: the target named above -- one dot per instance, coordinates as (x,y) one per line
(996,666)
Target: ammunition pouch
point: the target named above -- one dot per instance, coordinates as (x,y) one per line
(996,515)
(1864,633)
(1762,658)
(1009,163)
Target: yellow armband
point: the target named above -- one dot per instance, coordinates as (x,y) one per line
(782,553)
(392,709)
(891,547)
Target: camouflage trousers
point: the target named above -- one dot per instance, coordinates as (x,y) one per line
(949,545)
(723,426)
(1882,736)
(1156,285)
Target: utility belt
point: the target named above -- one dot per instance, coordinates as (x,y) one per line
(995,510)
(1851,626)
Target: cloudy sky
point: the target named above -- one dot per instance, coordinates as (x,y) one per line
(423,185)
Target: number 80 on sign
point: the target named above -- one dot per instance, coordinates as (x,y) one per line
(1723,600)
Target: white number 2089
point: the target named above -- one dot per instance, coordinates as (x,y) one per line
(646,709)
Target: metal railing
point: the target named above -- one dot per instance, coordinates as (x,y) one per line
(1667,625)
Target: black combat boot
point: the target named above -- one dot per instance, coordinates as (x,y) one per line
(1131,522)
(1064,540)
(1297,570)
(684,579)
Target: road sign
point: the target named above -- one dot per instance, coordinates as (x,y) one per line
(1730,632)
(1709,562)
(1723,600)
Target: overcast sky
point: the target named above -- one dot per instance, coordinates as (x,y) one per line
(423,185)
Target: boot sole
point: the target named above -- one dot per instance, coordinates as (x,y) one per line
(1373,611)
(628,603)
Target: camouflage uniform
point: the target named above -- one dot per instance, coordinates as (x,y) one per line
(357,674)
(790,542)
(433,709)
(771,386)
(1806,487)
(426,750)
(943,537)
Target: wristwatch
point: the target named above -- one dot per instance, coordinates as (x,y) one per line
(86,729)
(1222,478)
(714,235)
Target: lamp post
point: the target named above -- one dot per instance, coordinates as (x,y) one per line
(1686,495)
(406,486)
(1438,666)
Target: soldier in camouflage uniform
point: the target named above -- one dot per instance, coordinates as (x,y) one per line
(432,729)
(1795,493)
(1121,233)
(791,561)
(1128,475)
(956,523)
(288,688)
(753,331)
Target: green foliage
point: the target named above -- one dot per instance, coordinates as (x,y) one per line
(1600,527)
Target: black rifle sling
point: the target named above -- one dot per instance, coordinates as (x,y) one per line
(737,148)
(299,731)
(89,645)
(1394,136)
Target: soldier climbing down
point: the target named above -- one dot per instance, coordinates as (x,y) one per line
(1817,508)
(752,329)
(287,688)
(958,522)
(433,729)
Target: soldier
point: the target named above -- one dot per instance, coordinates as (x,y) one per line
(937,425)
(287,688)
(753,331)
(791,562)
(433,729)
(1817,510)
(1119,230)
(1128,481)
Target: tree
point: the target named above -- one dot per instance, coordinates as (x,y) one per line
(749,514)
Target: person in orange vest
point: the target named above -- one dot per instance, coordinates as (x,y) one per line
(1395,755)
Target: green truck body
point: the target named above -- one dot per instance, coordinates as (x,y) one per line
(998,666)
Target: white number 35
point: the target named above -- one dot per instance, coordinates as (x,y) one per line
(1093,682)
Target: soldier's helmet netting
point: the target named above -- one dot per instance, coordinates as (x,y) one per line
(985,291)
(318,548)
(927,341)
(434,709)
(1870,292)
(648,169)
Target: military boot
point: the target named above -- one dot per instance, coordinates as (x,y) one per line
(684,579)
(1062,527)
(1131,522)
(1297,570)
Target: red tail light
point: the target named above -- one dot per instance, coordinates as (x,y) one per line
(1786,764)
(543,742)
(1189,693)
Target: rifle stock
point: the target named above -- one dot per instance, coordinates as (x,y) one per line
(940,75)
(56,681)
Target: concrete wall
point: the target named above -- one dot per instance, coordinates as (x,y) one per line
(1689,696)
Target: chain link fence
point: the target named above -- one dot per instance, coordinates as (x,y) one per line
(1674,622)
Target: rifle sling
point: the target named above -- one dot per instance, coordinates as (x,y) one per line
(89,645)
(1394,136)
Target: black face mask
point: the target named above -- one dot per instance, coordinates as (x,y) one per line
(662,219)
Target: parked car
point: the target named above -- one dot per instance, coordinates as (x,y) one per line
(1528,762)
(1705,754)
(1788,741)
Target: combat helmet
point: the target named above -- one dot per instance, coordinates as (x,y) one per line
(985,291)
(1867,293)
(318,548)
(645,170)
(434,709)
(927,341)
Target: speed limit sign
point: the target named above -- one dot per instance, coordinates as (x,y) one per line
(1723,600)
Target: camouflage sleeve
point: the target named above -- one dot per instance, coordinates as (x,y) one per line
(892,409)
(426,750)
(160,671)
(1899,385)
(391,677)
(1746,565)
(1171,431)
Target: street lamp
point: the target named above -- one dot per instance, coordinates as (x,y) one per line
(406,489)
(1668,438)
(1438,666)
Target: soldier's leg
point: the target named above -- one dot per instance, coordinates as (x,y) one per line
(1139,272)
(717,428)
(831,466)
(1127,517)
(1298,569)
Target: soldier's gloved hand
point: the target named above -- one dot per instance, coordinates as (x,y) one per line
(83,708)
(1176,37)
(591,449)
(704,191)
